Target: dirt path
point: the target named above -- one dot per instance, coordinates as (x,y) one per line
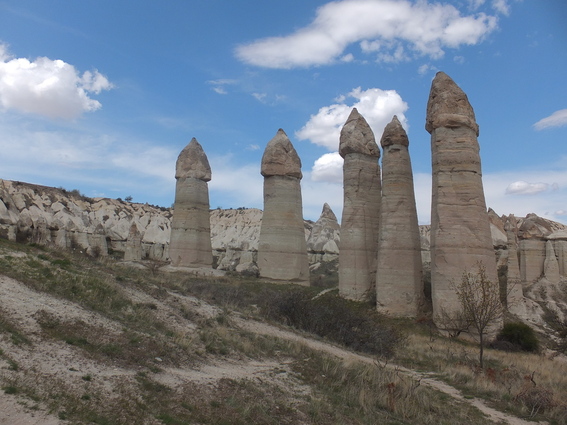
(348,356)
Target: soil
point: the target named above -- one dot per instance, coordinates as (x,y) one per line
(21,303)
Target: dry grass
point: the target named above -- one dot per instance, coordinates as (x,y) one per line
(123,384)
(532,386)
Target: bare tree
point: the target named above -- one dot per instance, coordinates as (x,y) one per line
(481,308)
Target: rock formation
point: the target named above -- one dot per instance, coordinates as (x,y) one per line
(282,250)
(399,280)
(190,242)
(324,238)
(514,293)
(133,251)
(460,229)
(361,209)
(550,265)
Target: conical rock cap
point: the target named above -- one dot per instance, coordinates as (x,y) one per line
(448,105)
(192,162)
(357,137)
(280,158)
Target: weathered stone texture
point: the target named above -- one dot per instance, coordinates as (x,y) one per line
(514,293)
(460,229)
(324,238)
(532,259)
(550,265)
(399,280)
(133,251)
(361,209)
(190,242)
(282,249)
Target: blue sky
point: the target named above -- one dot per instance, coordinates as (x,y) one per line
(101,96)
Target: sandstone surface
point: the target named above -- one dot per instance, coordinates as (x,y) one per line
(282,249)
(515,301)
(399,279)
(460,227)
(190,241)
(361,209)
(324,239)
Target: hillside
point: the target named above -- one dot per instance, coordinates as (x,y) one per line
(88,340)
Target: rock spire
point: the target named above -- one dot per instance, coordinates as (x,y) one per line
(514,293)
(361,209)
(282,250)
(190,243)
(460,227)
(399,281)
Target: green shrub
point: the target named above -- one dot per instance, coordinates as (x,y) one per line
(336,319)
(519,335)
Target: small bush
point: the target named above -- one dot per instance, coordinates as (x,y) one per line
(519,335)
(336,319)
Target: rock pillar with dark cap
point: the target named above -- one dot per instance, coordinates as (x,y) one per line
(190,243)
(282,250)
(361,209)
(399,283)
(460,228)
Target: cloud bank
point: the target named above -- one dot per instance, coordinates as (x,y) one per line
(324,128)
(392,30)
(51,88)
(557,119)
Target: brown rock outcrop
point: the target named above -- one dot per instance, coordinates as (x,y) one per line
(460,229)
(399,280)
(361,209)
(190,242)
(282,250)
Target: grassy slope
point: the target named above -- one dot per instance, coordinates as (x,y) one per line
(136,347)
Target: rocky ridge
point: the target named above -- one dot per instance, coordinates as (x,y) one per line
(101,226)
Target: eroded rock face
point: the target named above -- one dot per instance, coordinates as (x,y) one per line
(460,229)
(133,251)
(190,242)
(324,238)
(399,280)
(550,265)
(514,292)
(69,220)
(361,209)
(282,250)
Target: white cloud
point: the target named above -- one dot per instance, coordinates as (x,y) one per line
(328,168)
(219,86)
(375,105)
(524,188)
(557,119)
(395,29)
(51,88)
(501,6)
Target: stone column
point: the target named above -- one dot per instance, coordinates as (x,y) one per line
(190,242)
(133,248)
(460,228)
(514,292)
(551,266)
(399,280)
(282,250)
(361,209)
(532,259)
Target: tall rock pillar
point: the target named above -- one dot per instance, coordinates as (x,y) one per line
(460,228)
(399,280)
(361,209)
(282,249)
(514,293)
(190,242)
